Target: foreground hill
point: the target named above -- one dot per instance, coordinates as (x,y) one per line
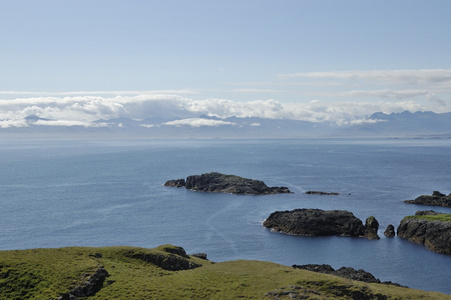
(166,272)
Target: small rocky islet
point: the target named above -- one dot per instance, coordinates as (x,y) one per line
(215,182)
(436,199)
(434,233)
(317,222)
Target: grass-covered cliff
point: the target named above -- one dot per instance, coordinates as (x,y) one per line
(166,272)
(428,228)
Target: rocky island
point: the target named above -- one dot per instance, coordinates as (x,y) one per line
(429,228)
(437,199)
(317,222)
(221,183)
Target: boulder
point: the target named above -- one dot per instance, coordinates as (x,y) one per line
(428,228)
(390,231)
(221,183)
(316,222)
(437,199)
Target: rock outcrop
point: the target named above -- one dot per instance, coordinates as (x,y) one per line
(321,193)
(428,228)
(92,283)
(437,199)
(220,183)
(345,272)
(172,258)
(390,231)
(371,227)
(317,222)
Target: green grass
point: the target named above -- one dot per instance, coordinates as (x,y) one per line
(49,273)
(439,217)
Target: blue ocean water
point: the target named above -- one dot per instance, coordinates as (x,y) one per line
(104,193)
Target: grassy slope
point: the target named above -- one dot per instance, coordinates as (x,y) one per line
(49,273)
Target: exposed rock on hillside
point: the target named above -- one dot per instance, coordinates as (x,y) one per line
(317,222)
(92,283)
(427,228)
(221,183)
(171,258)
(437,199)
(345,272)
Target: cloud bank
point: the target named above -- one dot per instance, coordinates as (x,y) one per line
(178,110)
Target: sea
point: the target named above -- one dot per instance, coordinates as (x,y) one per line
(60,193)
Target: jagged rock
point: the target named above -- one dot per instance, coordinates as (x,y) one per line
(175,183)
(321,193)
(371,227)
(346,272)
(390,231)
(434,234)
(437,199)
(89,287)
(231,184)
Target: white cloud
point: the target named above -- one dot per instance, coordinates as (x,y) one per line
(62,123)
(13,123)
(81,111)
(198,122)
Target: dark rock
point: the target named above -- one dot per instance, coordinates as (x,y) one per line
(321,193)
(434,234)
(326,269)
(89,287)
(174,250)
(200,255)
(175,183)
(221,183)
(354,274)
(315,222)
(171,258)
(437,199)
(371,227)
(390,231)
(346,272)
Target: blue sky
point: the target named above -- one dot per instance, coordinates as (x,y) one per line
(348,57)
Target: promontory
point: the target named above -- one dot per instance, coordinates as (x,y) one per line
(437,199)
(429,228)
(221,183)
(317,222)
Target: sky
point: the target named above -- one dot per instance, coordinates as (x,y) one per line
(76,61)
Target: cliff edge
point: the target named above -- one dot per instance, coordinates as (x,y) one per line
(428,228)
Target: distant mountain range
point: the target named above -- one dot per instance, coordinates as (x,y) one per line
(405,124)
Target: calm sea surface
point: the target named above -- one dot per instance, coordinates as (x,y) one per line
(104,193)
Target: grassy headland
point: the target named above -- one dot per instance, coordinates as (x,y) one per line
(139,273)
